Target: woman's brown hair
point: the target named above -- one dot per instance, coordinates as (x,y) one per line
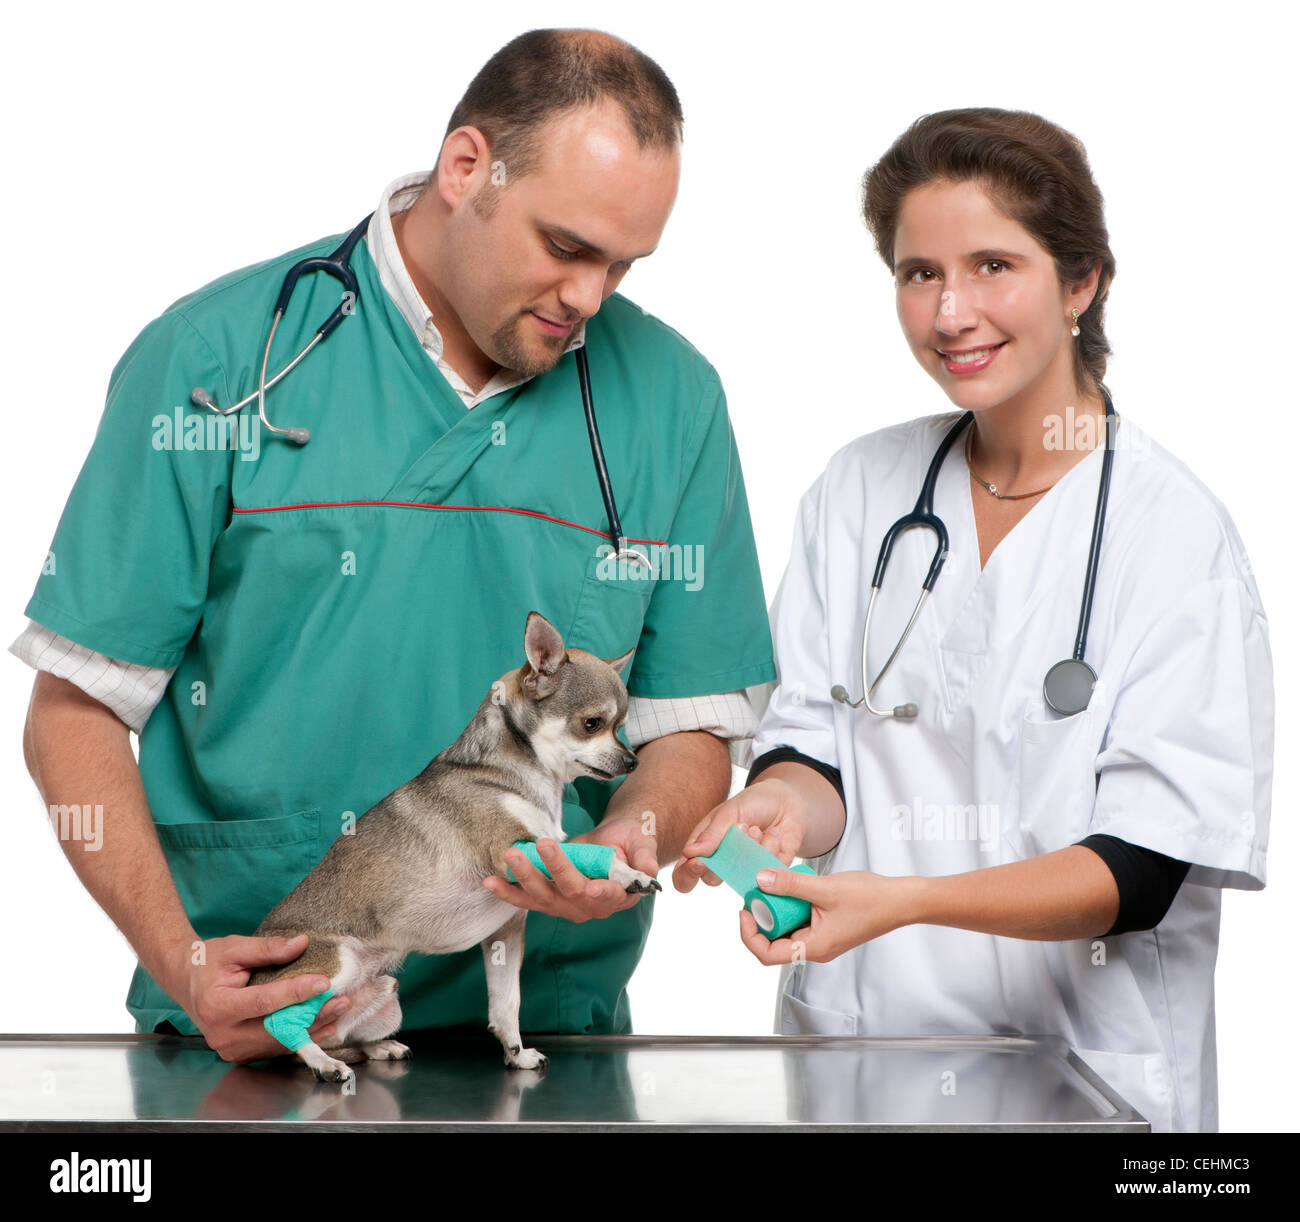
(1035,172)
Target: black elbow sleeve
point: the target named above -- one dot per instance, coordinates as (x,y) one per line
(782,755)
(1147,881)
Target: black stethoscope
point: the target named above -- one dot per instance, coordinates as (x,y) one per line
(1067,686)
(338,265)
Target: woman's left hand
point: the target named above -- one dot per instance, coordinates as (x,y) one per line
(848,909)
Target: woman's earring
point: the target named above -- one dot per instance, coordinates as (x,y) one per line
(1074,330)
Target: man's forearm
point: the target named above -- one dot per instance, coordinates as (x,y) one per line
(79,753)
(679,779)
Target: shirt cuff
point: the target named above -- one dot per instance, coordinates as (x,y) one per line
(728,715)
(128,690)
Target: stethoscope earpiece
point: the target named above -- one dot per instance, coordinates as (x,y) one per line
(337,265)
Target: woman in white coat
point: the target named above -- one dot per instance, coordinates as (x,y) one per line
(1002,868)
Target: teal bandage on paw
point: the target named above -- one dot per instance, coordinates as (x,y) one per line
(592,860)
(737,861)
(289,1025)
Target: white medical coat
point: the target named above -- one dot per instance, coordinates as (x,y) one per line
(1174,752)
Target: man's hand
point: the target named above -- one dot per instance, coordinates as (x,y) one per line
(571,895)
(229,1011)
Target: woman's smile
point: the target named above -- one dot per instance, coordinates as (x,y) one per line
(969,360)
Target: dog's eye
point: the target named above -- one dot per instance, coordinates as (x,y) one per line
(592,724)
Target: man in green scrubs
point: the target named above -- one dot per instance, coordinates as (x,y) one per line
(327,617)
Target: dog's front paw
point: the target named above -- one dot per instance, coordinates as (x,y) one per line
(632,881)
(644,883)
(525,1058)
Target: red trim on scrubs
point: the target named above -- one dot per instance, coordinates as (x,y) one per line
(532,513)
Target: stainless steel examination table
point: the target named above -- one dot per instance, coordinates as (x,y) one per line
(160,1083)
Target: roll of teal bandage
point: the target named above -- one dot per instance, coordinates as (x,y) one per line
(592,860)
(289,1025)
(737,861)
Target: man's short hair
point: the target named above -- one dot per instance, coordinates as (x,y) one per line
(544,74)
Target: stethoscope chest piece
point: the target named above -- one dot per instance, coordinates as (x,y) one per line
(1067,687)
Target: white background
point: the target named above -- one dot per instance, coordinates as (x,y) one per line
(150,148)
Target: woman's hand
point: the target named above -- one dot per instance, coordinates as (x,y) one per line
(774,814)
(848,909)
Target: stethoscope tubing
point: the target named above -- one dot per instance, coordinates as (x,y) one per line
(337,264)
(1098,523)
(598,461)
(923,515)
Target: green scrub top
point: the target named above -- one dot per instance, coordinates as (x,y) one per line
(336,612)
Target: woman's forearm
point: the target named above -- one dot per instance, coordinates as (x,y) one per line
(1067,894)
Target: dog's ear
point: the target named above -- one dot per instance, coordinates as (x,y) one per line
(544,649)
(619,663)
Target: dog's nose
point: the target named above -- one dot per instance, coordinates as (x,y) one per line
(630,761)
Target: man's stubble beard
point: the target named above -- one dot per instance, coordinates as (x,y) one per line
(510,352)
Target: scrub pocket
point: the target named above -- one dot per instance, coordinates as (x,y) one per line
(1058,781)
(231,872)
(611,609)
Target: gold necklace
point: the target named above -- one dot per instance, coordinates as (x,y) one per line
(1002,496)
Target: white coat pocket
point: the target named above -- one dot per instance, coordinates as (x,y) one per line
(799,1018)
(1058,781)
(1142,1080)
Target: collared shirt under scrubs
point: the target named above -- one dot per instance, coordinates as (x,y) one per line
(132,691)
(336,612)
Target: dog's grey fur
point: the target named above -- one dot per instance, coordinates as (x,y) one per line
(410,876)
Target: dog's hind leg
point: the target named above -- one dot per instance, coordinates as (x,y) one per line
(385,1020)
(503,956)
(325,956)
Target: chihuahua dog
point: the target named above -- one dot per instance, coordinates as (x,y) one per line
(410,876)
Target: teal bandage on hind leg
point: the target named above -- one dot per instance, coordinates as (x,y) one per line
(289,1025)
(593,860)
(737,861)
